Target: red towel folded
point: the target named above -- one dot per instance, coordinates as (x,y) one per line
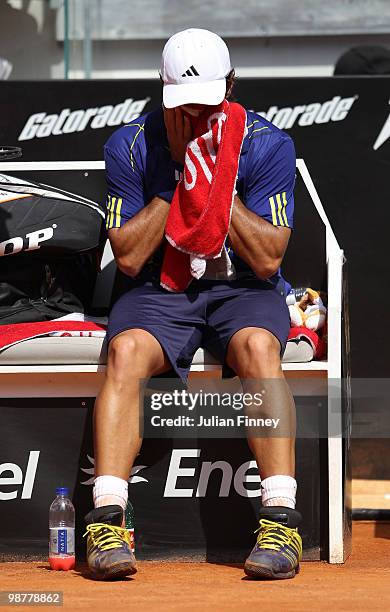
(199,216)
(18,332)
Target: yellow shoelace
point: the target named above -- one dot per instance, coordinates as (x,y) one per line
(106,536)
(274,536)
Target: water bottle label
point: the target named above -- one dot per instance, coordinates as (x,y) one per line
(62,540)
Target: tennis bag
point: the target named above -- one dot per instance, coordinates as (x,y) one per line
(50,247)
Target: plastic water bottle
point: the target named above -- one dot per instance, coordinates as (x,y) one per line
(61,528)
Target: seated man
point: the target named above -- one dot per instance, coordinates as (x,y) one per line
(237,310)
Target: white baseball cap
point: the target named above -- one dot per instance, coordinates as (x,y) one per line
(194,66)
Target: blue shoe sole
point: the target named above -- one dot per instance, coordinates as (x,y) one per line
(264,572)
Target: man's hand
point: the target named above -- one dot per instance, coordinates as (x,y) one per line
(179,132)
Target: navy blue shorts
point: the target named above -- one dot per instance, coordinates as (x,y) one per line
(207,315)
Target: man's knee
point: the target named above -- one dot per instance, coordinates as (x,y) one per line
(260,354)
(130,355)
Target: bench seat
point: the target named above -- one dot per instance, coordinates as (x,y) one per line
(72,350)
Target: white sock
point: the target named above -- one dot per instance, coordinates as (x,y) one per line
(110,490)
(279,491)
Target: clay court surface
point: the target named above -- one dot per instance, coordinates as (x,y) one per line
(363,583)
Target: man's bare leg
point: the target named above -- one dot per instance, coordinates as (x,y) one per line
(133,355)
(254,354)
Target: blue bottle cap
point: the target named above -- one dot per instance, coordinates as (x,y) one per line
(62,491)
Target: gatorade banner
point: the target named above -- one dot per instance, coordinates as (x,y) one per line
(61,122)
(340,126)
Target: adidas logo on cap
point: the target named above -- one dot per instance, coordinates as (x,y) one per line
(192,71)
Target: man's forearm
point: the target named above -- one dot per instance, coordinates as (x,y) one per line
(260,244)
(138,238)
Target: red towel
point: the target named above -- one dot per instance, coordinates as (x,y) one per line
(18,332)
(199,216)
(317,344)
